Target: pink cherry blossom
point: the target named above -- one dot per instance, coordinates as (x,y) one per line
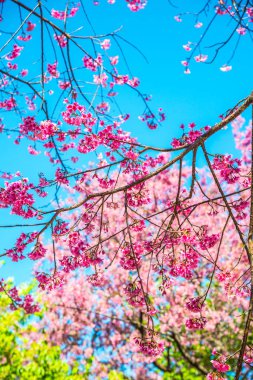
(187,46)
(187,71)
(24,72)
(114,60)
(198,25)
(225,68)
(52,69)
(61,39)
(28,37)
(136,5)
(185,63)
(100,79)
(194,304)
(92,64)
(22,204)
(16,51)
(106,44)
(33,151)
(196,323)
(149,347)
(241,30)
(201,58)
(178,18)
(221,367)
(30,26)
(64,85)
(62,15)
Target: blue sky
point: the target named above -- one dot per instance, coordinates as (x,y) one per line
(200,97)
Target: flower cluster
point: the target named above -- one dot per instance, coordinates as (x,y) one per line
(194,304)
(62,15)
(16,196)
(138,226)
(38,252)
(92,64)
(149,346)
(23,240)
(61,39)
(226,68)
(183,265)
(131,258)
(26,302)
(50,282)
(30,103)
(189,138)
(16,51)
(138,196)
(134,82)
(220,364)
(24,38)
(30,26)
(136,5)
(60,177)
(201,58)
(35,131)
(241,30)
(8,104)
(103,107)
(105,44)
(135,296)
(51,68)
(228,167)
(224,10)
(240,205)
(105,183)
(61,228)
(100,79)
(131,155)
(93,141)
(96,279)
(12,66)
(248,356)
(82,255)
(46,129)
(208,241)
(64,85)
(149,119)
(75,114)
(196,323)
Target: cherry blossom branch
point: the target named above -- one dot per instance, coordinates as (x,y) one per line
(250,256)
(20,27)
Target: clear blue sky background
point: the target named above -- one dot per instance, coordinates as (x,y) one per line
(200,97)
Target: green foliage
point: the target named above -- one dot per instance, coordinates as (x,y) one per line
(115,375)
(177,367)
(22,359)
(183,373)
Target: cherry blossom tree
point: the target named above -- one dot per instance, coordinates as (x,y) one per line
(193,291)
(164,232)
